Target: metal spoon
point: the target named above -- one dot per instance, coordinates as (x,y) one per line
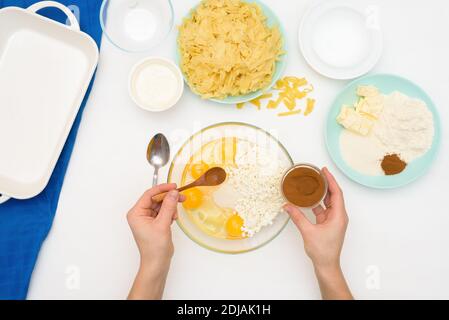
(212,177)
(158,154)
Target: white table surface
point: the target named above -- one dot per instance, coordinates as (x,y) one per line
(399,238)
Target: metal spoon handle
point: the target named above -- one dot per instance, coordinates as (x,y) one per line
(155,176)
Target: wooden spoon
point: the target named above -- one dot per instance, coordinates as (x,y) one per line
(212,177)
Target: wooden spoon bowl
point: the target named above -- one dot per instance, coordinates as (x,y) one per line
(211,178)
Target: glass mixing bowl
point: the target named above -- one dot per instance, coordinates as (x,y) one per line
(136,25)
(240,131)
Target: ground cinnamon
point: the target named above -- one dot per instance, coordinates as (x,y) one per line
(304,186)
(393,164)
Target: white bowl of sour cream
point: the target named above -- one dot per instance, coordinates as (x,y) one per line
(155,84)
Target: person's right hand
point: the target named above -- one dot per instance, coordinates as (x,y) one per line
(323,241)
(151,226)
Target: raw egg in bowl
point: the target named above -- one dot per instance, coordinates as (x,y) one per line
(245,212)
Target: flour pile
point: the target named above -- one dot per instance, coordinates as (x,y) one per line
(405,128)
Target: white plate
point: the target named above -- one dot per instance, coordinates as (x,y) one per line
(45,70)
(341,39)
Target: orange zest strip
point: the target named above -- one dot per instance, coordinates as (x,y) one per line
(256,102)
(310,106)
(289,113)
(289,94)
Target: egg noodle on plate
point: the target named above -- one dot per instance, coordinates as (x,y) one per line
(227,49)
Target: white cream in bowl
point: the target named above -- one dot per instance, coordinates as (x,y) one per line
(156,84)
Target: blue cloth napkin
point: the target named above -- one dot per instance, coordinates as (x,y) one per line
(24,225)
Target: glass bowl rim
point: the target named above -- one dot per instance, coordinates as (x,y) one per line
(147,48)
(170,173)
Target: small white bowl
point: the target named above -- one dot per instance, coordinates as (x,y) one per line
(341,39)
(156,91)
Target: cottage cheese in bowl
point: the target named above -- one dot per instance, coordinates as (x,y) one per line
(245,212)
(256,179)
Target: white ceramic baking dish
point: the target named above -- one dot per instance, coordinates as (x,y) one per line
(45,71)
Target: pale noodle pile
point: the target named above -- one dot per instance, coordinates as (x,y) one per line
(227,49)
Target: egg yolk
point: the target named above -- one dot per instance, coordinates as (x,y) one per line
(194,198)
(198,169)
(234,226)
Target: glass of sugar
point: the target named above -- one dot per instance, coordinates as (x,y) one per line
(136,25)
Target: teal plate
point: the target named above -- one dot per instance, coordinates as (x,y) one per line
(387,83)
(272,20)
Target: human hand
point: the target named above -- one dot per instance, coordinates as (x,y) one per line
(323,241)
(151,226)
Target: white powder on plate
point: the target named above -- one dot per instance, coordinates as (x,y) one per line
(405,127)
(256,179)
